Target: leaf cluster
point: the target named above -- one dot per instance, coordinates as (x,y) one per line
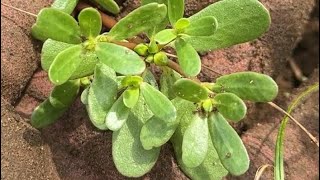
(121,93)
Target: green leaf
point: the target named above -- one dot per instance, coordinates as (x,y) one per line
(90,22)
(45,114)
(88,63)
(239,21)
(102,95)
(204,26)
(230,106)
(195,142)
(131,97)
(144,2)
(84,96)
(182,24)
(167,80)
(57,25)
(64,95)
(156,132)
(108,5)
(50,50)
(248,86)
(165,36)
(160,26)
(117,115)
(190,90)
(211,168)
(188,58)
(119,58)
(158,103)
(175,10)
(65,64)
(149,78)
(228,144)
(139,21)
(130,158)
(66,6)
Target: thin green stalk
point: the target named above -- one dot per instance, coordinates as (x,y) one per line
(279,167)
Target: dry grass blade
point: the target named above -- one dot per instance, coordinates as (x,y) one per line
(17,9)
(261,170)
(314,139)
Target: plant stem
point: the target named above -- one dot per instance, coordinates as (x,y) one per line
(314,139)
(173,65)
(129,45)
(29,13)
(208,68)
(107,21)
(171,55)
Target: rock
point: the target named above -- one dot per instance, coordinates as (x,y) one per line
(19,53)
(24,153)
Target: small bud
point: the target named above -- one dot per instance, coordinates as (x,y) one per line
(161,59)
(85,81)
(153,47)
(207,105)
(133,81)
(149,59)
(141,49)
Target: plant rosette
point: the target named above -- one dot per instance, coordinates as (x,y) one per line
(121,93)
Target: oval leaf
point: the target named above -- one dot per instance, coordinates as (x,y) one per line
(156,27)
(158,103)
(228,144)
(182,24)
(188,58)
(66,6)
(45,114)
(204,26)
(230,106)
(57,25)
(131,97)
(63,95)
(87,65)
(248,86)
(195,142)
(130,158)
(165,36)
(90,22)
(108,5)
(139,21)
(84,96)
(211,167)
(149,78)
(167,80)
(117,115)
(50,49)
(102,95)
(190,90)
(65,64)
(119,58)
(242,21)
(156,132)
(175,10)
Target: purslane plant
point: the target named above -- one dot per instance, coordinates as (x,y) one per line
(121,93)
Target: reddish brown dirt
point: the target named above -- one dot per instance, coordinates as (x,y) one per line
(74,149)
